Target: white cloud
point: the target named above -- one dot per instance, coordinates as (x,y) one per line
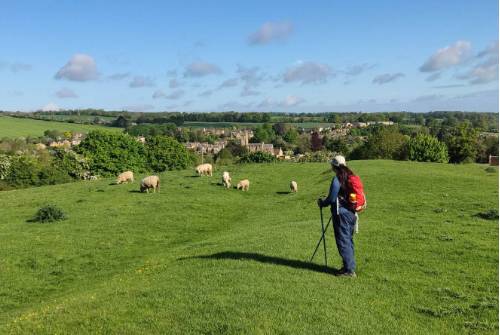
(159,94)
(270,32)
(451,55)
(387,78)
(80,67)
(138,108)
(119,76)
(66,93)
(486,70)
(206,93)
(357,69)
(141,81)
(50,107)
(229,83)
(433,77)
(292,100)
(308,73)
(18,67)
(174,83)
(201,69)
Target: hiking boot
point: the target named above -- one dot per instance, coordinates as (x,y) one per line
(346,274)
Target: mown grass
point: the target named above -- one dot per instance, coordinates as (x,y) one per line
(22,127)
(197,258)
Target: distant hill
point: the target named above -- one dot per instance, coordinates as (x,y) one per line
(17,127)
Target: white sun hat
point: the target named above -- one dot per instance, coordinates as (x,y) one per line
(338,160)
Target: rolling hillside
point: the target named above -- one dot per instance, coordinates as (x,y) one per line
(197,258)
(17,127)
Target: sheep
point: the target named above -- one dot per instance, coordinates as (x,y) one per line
(150,182)
(293,186)
(204,169)
(244,185)
(127,176)
(226,179)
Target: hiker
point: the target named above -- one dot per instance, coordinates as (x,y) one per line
(343,214)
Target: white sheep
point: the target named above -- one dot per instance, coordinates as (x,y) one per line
(150,182)
(244,185)
(293,186)
(204,169)
(226,179)
(127,176)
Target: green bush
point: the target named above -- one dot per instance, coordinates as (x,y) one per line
(462,142)
(24,171)
(73,164)
(49,213)
(165,153)
(427,148)
(5,163)
(109,153)
(257,157)
(316,156)
(384,143)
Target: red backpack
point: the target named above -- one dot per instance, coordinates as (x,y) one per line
(357,204)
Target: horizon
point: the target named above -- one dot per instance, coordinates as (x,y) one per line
(258,57)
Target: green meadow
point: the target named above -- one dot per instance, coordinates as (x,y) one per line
(22,127)
(199,259)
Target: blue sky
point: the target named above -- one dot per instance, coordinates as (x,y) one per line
(291,56)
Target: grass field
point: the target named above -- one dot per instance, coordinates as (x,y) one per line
(17,127)
(199,259)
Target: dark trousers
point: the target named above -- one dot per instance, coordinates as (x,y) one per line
(343,226)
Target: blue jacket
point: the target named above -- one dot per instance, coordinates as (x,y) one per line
(332,198)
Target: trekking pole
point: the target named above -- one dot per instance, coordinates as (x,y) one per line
(320,239)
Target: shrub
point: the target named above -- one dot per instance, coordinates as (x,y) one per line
(71,163)
(491,214)
(317,156)
(108,153)
(165,153)
(23,171)
(427,148)
(49,213)
(258,157)
(5,163)
(224,157)
(462,143)
(490,169)
(384,143)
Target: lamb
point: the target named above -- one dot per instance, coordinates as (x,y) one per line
(226,179)
(150,182)
(293,186)
(204,169)
(244,185)
(127,176)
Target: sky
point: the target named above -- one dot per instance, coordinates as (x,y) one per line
(269,56)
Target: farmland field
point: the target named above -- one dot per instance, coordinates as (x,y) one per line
(17,127)
(197,258)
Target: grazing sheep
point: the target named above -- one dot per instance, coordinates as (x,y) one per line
(244,185)
(127,176)
(293,186)
(204,169)
(150,182)
(226,179)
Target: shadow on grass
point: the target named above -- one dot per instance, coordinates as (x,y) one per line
(283,192)
(196,176)
(292,263)
(135,191)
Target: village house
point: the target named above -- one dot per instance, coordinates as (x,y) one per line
(205,147)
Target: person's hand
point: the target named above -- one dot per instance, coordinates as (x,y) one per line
(319,202)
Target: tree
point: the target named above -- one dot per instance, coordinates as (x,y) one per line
(316,141)
(384,143)
(109,153)
(488,145)
(462,142)
(258,157)
(120,122)
(165,153)
(427,148)
(291,135)
(263,133)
